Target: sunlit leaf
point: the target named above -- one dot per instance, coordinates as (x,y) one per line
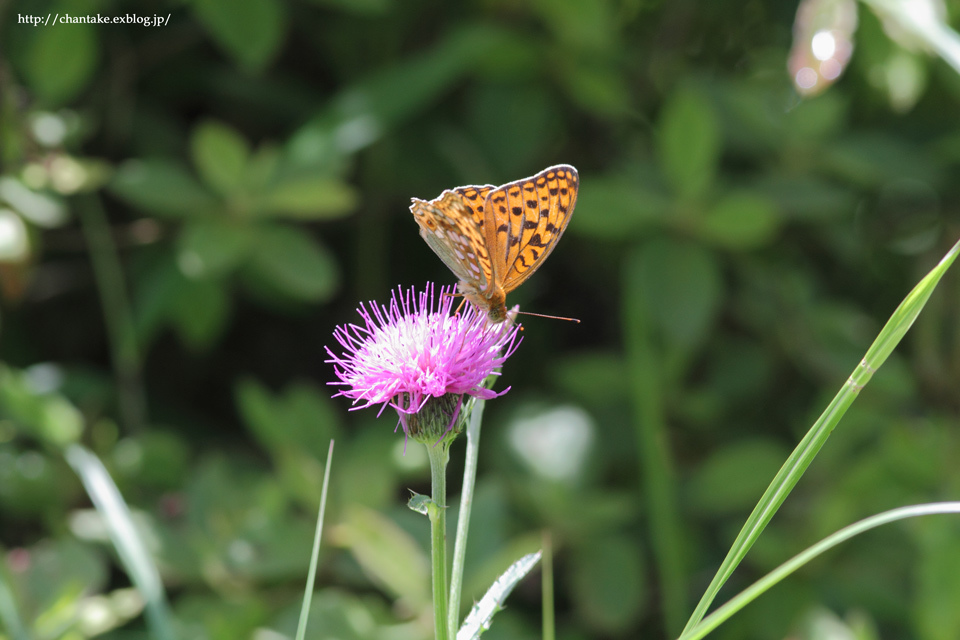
(161,187)
(212,247)
(387,554)
(220,154)
(310,198)
(740,220)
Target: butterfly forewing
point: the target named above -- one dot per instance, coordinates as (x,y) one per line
(475,197)
(447,225)
(524,220)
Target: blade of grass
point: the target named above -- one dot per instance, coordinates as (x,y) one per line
(130,547)
(549,624)
(752,592)
(656,460)
(315,554)
(788,476)
(117,313)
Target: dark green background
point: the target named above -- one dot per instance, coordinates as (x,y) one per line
(734,251)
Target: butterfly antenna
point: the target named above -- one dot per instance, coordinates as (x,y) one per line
(543,315)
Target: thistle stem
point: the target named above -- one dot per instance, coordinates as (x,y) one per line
(463,517)
(439,456)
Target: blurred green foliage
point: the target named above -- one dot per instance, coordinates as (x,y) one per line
(734,251)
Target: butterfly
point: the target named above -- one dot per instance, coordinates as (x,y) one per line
(494,238)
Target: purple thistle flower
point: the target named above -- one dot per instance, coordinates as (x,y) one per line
(414,350)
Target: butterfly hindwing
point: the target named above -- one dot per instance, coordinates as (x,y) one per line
(448,227)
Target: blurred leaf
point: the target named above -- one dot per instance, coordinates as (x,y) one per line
(311,199)
(361,113)
(387,554)
(334,614)
(300,419)
(608,582)
(200,310)
(220,154)
(682,286)
(250,31)
(900,73)
(288,261)
(690,143)
(161,187)
(366,473)
(155,459)
(45,414)
(936,617)
(819,119)
(873,159)
(61,58)
(732,479)
(516,138)
(359,7)
(42,209)
(156,289)
(50,577)
(617,209)
(599,377)
(806,198)
(221,618)
(741,220)
(14,239)
(35,484)
(596,88)
(822,624)
(583,25)
(210,248)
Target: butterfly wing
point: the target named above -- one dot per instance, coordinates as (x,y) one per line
(475,198)
(525,219)
(447,224)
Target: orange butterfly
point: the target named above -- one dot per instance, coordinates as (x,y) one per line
(494,238)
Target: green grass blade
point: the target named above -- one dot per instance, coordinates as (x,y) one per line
(752,592)
(130,548)
(788,476)
(549,617)
(657,466)
(315,554)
